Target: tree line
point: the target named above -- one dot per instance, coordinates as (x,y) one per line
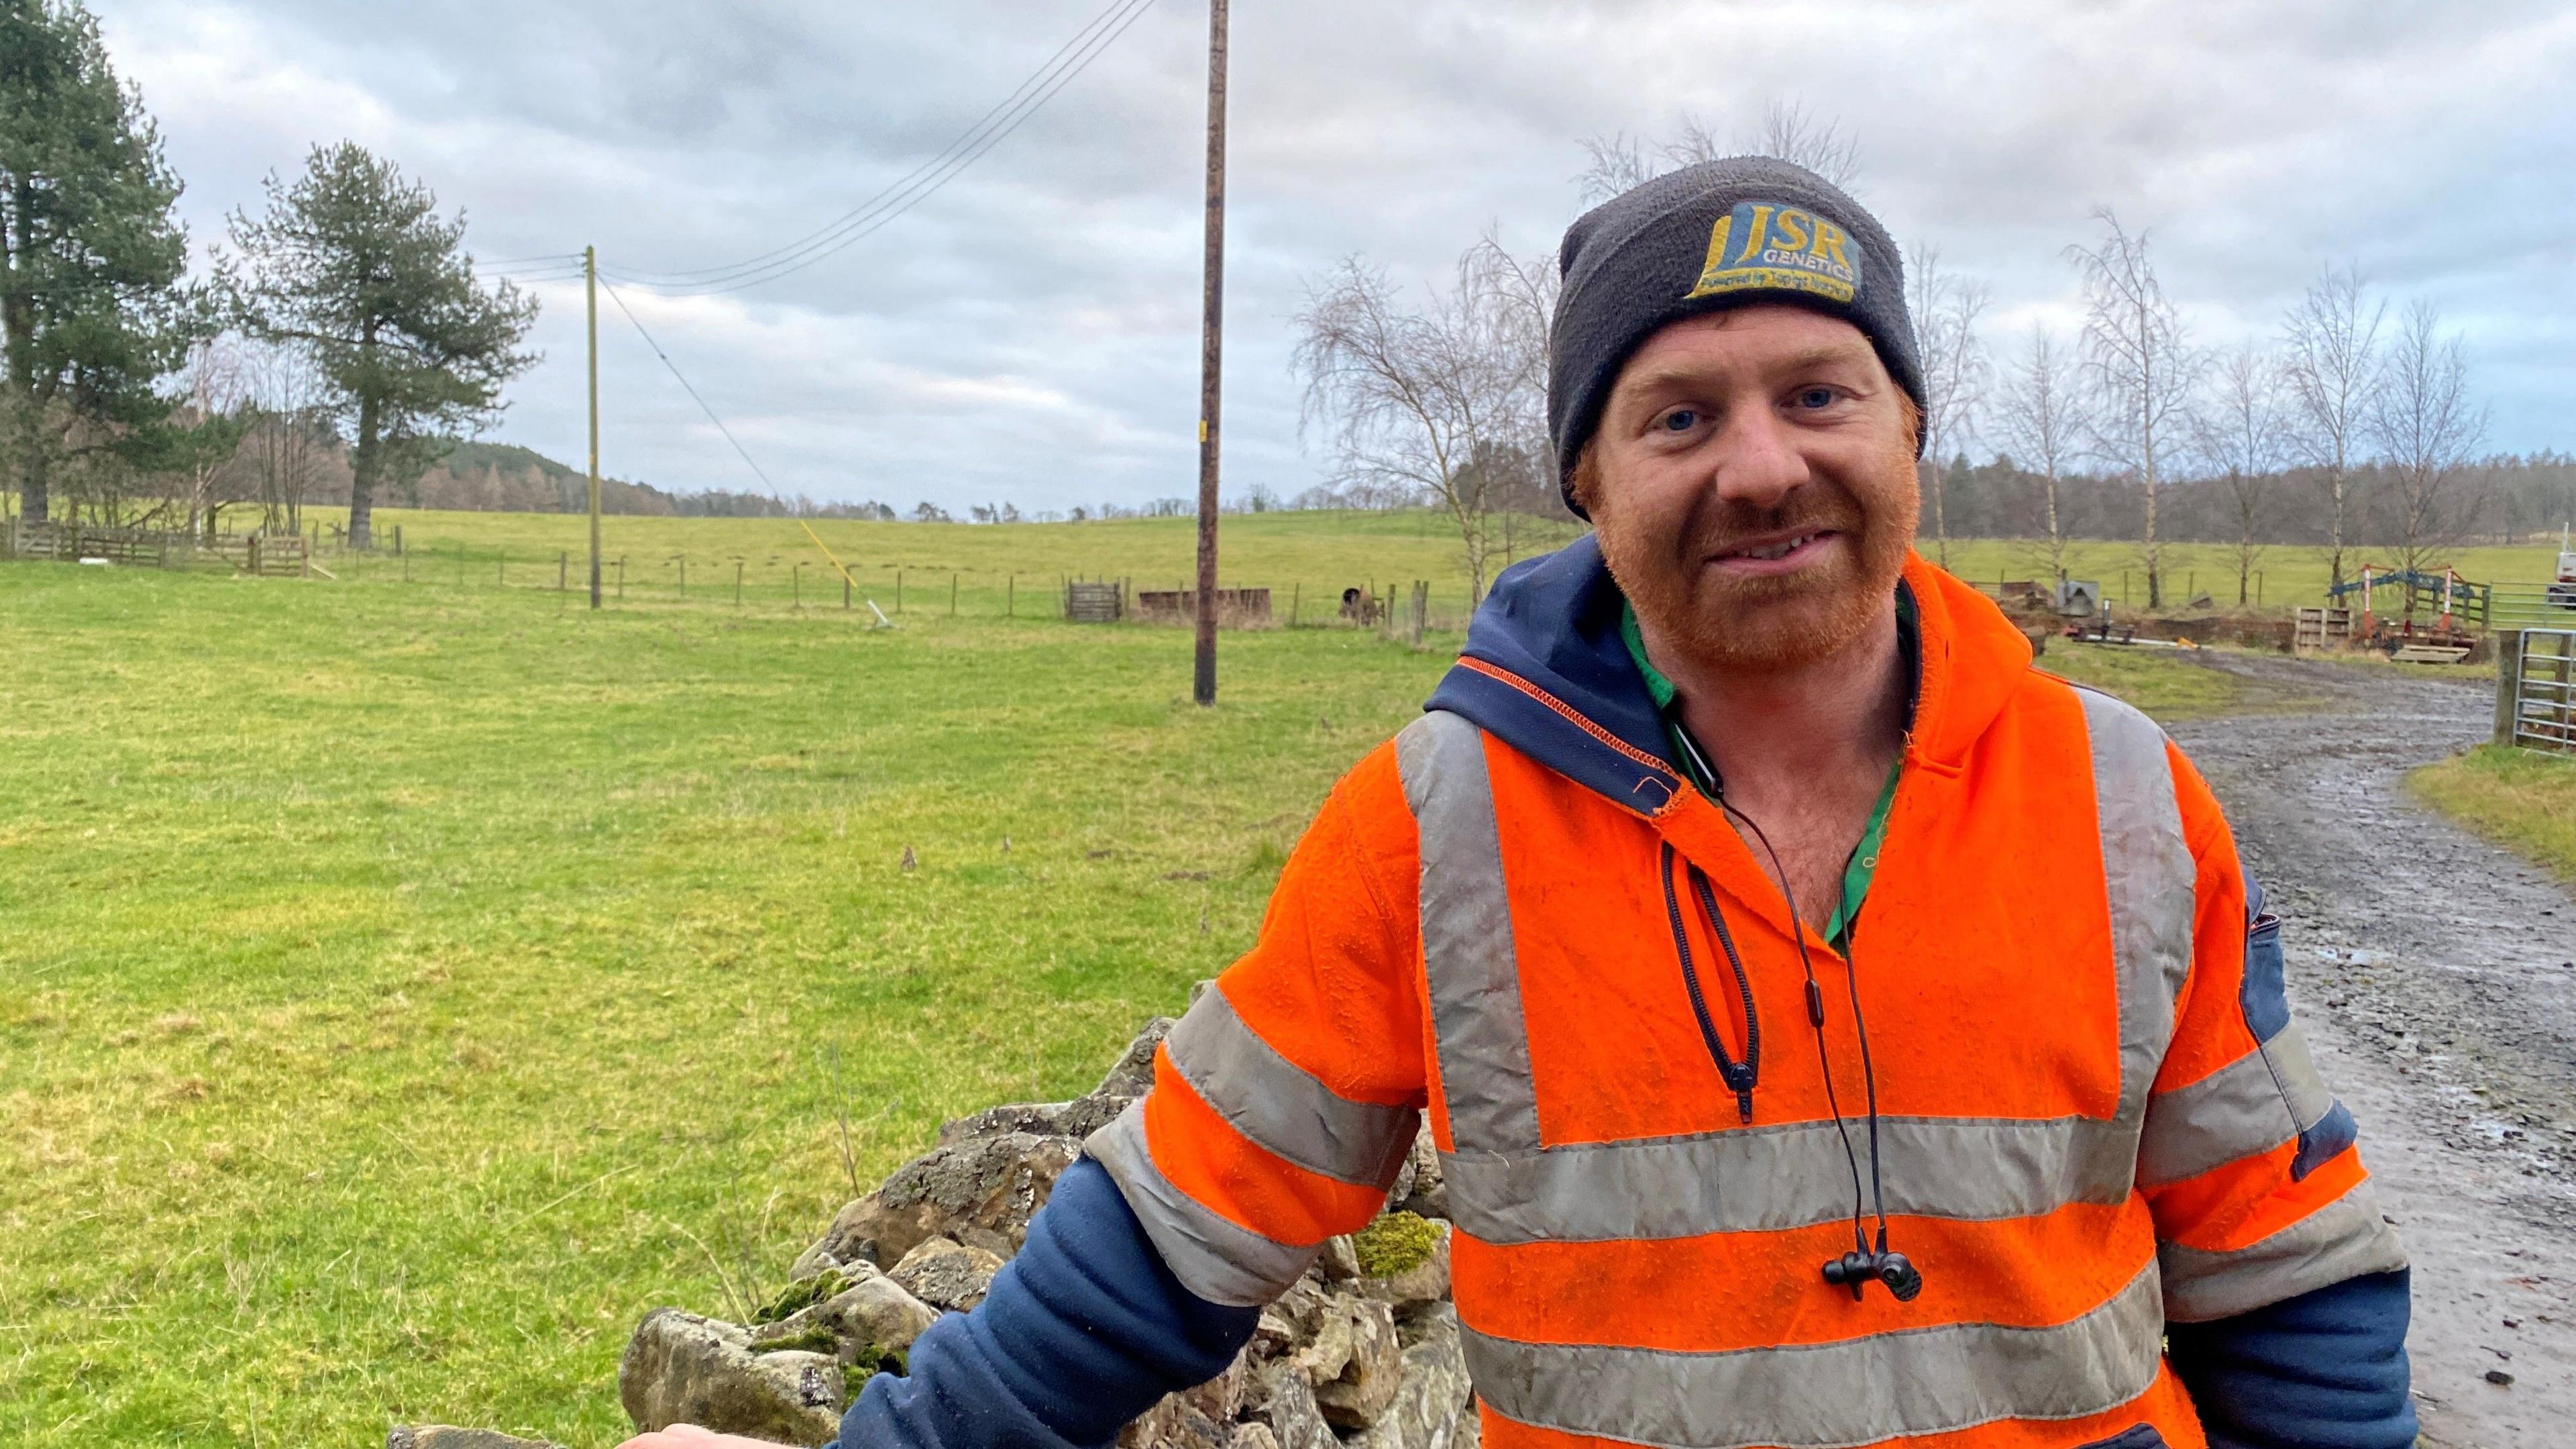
(2353,425)
(344,310)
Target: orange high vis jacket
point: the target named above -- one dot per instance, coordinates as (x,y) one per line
(2094,1116)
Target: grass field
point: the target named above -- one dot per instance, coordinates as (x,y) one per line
(2522,800)
(402,989)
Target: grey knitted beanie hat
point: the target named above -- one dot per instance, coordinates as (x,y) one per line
(1707,237)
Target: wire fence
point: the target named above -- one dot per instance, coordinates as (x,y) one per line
(777,581)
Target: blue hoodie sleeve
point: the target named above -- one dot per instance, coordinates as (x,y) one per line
(1083,1330)
(2324,1370)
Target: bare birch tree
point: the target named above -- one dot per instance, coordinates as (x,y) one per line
(1620,162)
(1435,403)
(1955,372)
(292,437)
(2427,428)
(1790,134)
(2243,431)
(2039,420)
(2332,337)
(2139,358)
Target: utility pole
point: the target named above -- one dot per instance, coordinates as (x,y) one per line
(590,286)
(1211,350)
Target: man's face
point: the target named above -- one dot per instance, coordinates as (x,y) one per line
(1752,483)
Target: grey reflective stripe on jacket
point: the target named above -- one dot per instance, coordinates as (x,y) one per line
(1214,1258)
(1954,1376)
(1278,1107)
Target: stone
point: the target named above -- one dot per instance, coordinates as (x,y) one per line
(1425,1282)
(945,1273)
(443,1436)
(1429,1193)
(996,1183)
(1340,1261)
(684,1369)
(1174,1423)
(1222,1398)
(1432,1395)
(1253,1436)
(1354,1361)
(872,1313)
(1296,1421)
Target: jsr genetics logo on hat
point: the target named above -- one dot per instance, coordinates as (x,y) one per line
(1765,246)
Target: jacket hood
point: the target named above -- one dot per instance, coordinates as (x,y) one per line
(1546,671)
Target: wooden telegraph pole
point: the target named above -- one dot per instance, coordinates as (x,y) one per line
(590,285)
(1211,349)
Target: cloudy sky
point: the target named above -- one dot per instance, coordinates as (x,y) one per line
(1029,332)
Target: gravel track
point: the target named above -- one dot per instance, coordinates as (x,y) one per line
(2435,977)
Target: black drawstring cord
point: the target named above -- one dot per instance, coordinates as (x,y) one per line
(1742,1076)
(1816,1019)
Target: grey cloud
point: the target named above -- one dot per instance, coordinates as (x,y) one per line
(1031,332)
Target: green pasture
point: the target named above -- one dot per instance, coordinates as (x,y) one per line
(403,989)
(2523,800)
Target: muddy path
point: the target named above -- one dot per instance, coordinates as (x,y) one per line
(2436,978)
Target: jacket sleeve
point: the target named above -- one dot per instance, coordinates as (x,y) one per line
(2324,1370)
(2281,1278)
(1287,1099)
(1082,1330)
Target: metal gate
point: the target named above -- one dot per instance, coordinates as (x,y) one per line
(2536,689)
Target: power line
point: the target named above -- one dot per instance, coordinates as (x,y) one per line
(838,566)
(685,277)
(692,391)
(1060,70)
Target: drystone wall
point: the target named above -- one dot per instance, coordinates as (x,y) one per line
(1363,1353)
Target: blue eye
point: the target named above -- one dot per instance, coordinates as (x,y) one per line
(1680,420)
(1815,397)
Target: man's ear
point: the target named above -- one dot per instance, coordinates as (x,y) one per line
(1587,476)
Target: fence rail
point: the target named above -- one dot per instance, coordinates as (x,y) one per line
(280,555)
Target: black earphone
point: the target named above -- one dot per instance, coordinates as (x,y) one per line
(1865,1263)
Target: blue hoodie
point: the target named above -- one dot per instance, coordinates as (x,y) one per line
(1086,1328)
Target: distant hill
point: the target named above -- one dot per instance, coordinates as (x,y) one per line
(484,477)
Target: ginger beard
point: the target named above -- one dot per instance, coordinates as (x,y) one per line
(1763,623)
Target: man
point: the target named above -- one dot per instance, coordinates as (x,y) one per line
(1834,1031)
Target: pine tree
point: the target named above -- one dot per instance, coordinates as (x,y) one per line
(353,264)
(93,308)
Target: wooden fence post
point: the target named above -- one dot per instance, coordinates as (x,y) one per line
(684,576)
(952,596)
(898,591)
(737,583)
(1295,593)
(621,576)
(563,570)
(796,585)
(1011,597)
(845,592)
(2508,701)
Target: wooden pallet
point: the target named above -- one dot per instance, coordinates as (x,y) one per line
(2431,654)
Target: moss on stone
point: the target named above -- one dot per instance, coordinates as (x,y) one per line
(872,1359)
(826,1285)
(816,1339)
(1396,1244)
